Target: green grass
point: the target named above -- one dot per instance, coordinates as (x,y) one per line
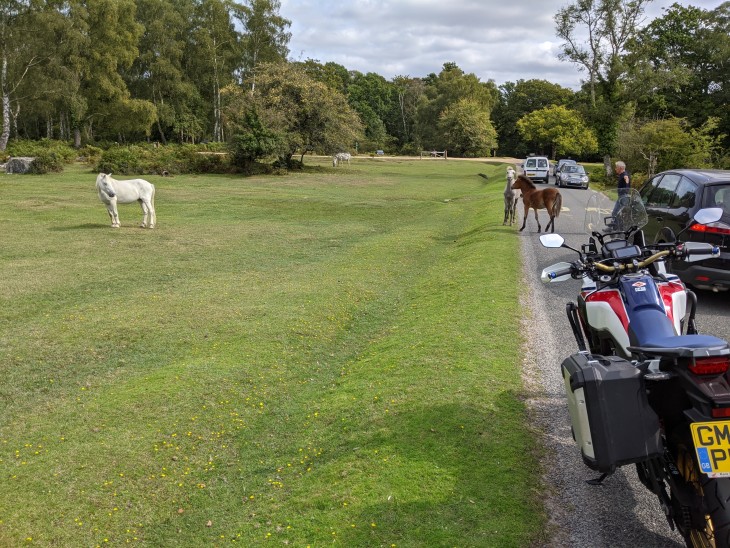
(329,357)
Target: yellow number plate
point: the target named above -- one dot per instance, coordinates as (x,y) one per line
(712,443)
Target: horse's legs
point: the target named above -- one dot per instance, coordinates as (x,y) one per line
(506,214)
(113,214)
(538,221)
(551,224)
(524,217)
(514,211)
(145,214)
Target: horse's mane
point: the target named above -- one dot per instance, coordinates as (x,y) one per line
(526,180)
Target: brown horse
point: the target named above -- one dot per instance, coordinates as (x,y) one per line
(547,198)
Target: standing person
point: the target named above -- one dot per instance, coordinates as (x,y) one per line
(624,185)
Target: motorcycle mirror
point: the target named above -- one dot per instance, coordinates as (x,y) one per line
(552,240)
(708,215)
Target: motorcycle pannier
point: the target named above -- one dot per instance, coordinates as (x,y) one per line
(612,421)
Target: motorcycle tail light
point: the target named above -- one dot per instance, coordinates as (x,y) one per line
(712,228)
(721,412)
(713,365)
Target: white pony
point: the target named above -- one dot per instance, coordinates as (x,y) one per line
(341,157)
(112,191)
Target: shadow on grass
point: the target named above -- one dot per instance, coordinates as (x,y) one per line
(85,226)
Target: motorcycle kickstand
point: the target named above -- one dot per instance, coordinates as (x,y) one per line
(597,482)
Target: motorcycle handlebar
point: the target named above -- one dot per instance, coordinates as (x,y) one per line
(646,262)
(558,273)
(706,249)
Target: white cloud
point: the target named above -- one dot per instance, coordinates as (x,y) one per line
(504,40)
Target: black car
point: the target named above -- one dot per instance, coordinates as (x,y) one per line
(671,199)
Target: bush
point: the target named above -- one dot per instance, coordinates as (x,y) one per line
(46,162)
(173,159)
(122,160)
(63,152)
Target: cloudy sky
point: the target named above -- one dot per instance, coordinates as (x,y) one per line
(501,40)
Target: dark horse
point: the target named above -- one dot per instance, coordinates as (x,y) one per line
(547,198)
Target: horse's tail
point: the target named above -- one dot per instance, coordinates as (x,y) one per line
(557,205)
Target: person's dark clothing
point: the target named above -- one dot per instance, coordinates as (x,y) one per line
(624,182)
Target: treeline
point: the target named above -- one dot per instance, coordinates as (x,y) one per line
(94,72)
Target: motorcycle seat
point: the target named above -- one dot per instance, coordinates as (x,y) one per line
(683,346)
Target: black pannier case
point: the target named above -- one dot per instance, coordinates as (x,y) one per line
(612,421)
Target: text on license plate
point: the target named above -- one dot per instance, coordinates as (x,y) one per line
(531,173)
(712,443)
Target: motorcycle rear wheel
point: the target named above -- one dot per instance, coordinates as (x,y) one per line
(715,531)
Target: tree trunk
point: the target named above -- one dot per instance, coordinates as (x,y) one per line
(5,135)
(607,166)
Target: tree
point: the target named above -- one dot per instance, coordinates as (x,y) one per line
(678,65)
(265,39)
(213,53)
(102,45)
(448,88)
(16,57)
(157,74)
(518,99)
(467,129)
(607,25)
(302,113)
(409,91)
(559,128)
(659,145)
(373,98)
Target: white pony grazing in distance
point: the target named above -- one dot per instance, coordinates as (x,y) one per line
(112,191)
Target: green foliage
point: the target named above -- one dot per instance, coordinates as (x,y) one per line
(659,145)
(560,129)
(302,113)
(252,141)
(46,162)
(63,152)
(467,129)
(173,159)
(517,100)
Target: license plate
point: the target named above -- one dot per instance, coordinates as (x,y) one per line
(531,173)
(712,444)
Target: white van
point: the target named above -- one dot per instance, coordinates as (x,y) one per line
(537,168)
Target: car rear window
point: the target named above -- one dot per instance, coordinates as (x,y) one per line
(717,196)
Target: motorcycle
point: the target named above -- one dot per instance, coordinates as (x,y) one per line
(645,388)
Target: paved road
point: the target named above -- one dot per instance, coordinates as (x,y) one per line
(621,513)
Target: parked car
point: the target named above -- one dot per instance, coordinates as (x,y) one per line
(671,199)
(572,175)
(562,162)
(537,168)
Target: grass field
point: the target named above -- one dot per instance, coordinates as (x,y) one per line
(327,357)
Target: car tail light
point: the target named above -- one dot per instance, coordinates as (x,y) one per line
(713,365)
(712,228)
(721,412)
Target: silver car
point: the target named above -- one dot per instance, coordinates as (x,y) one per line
(573,175)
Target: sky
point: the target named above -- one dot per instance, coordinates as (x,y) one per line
(500,40)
